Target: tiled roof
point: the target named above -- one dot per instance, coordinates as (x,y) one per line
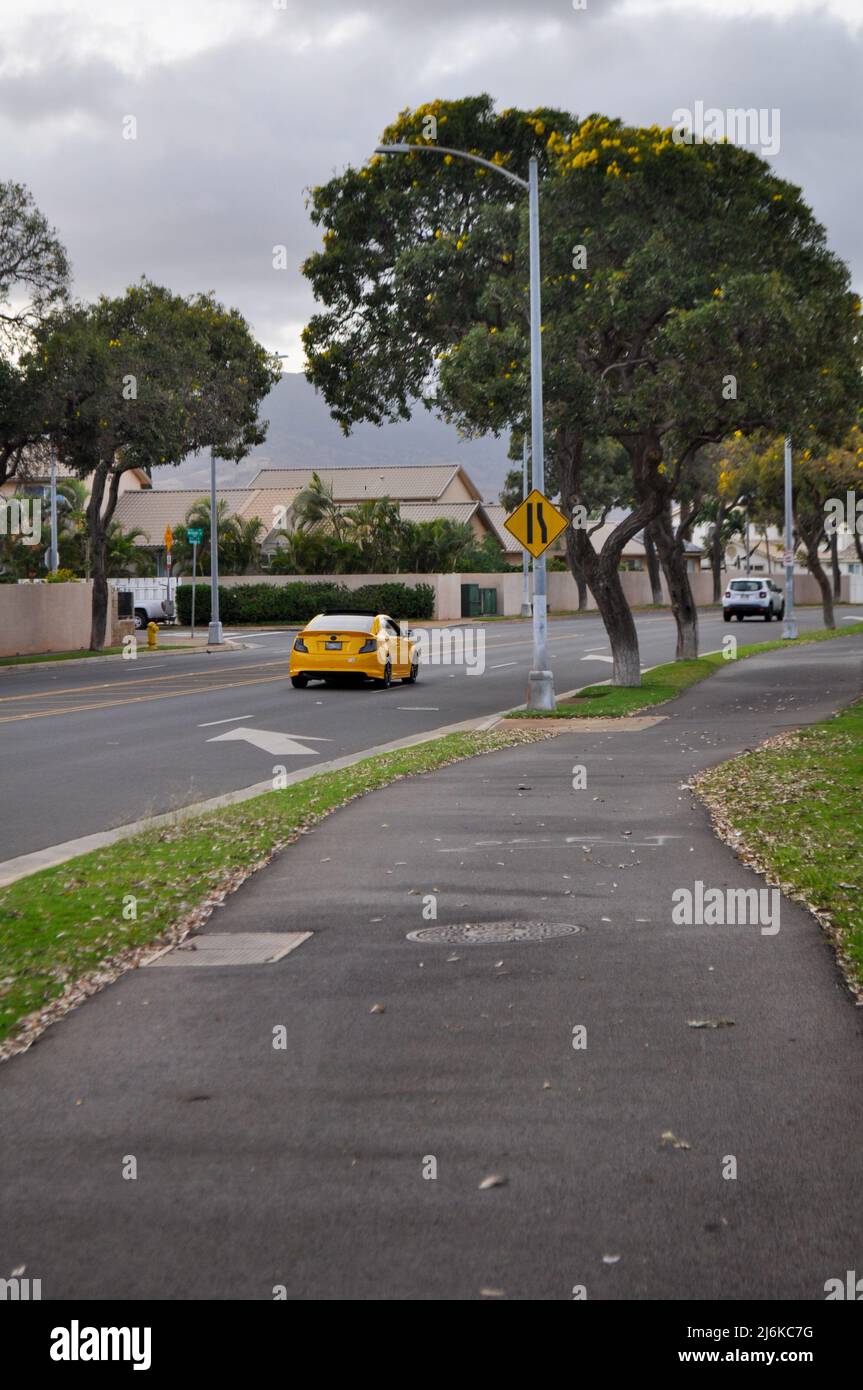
(152,509)
(424,483)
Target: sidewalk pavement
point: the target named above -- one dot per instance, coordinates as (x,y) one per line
(303,1167)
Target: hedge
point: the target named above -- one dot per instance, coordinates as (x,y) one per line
(296,603)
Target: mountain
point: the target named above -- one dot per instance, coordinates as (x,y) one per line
(303,435)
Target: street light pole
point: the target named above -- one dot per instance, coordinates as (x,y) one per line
(540,683)
(525,557)
(54,552)
(790,626)
(214,634)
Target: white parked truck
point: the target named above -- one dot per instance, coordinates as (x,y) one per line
(150,603)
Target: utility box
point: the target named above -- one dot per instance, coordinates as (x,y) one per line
(471,603)
(488,601)
(124,603)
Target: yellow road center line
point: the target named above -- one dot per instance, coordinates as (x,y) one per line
(135,699)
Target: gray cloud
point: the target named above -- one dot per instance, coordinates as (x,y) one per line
(229,136)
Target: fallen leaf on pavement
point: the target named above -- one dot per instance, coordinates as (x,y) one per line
(378,1009)
(667,1138)
(493,1180)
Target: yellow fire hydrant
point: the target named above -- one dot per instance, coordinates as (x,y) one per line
(152,634)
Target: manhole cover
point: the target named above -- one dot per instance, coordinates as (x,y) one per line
(478,933)
(235,948)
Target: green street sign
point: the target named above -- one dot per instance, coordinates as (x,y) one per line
(195,535)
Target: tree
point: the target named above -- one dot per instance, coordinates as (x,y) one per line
(686,292)
(376,527)
(821,474)
(315,506)
(143,380)
(239,541)
(34,270)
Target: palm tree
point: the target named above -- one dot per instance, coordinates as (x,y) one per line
(315,505)
(376,527)
(124,555)
(245,544)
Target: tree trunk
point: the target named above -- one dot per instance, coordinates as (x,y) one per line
(652,565)
(673,557)
(98,520)
(716,560)
(858,545)
(602,570)
(834,563)
(812,534)
(766,540)
(99,611)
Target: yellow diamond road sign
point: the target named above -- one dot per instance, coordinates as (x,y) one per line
(536,523)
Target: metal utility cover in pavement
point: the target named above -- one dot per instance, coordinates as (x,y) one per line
(480,933)
(238,948)
(536,523)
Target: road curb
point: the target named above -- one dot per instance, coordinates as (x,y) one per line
(25,864)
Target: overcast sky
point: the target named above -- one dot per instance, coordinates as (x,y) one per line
(240,104)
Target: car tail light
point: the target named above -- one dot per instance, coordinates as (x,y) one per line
(762,593)
(728,593)
(369,646)
(300,646)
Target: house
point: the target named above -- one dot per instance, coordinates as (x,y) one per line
(424,492)
(34,479)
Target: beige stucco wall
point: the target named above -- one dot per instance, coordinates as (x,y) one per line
(456,491)
(562,590)
(37,618)
(44,618)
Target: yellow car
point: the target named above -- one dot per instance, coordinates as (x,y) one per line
(369,646)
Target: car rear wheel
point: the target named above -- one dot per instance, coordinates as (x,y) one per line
(726,617)
(386,681)
(781,613)
(299,682)
(412,677)
(768,615)
(740,617)
(140,619)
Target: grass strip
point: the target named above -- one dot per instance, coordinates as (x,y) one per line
(86,652)
(62,926)
(663,683)
(792,810)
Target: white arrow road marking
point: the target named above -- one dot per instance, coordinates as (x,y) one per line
(597,657)
(852,617)
(269,740)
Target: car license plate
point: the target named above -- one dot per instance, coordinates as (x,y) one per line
(333,646)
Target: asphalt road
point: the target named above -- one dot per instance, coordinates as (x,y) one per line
(88,746)
(309,1166)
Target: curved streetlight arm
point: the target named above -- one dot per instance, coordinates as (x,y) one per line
(458,154)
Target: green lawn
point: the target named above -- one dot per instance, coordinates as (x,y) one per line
(664,682)
(59,925)
(797,804)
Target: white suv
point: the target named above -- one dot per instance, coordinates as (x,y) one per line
(757,598)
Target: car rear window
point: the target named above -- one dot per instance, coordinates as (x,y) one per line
(341,622)
(748,586)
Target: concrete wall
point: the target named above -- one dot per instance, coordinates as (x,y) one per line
(562,589)
(44,617)
(38,618)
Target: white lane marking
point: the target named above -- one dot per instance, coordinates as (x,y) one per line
(234,719)
(500,665)
(852,617)
(598,657)
(269,740)
(419,707)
